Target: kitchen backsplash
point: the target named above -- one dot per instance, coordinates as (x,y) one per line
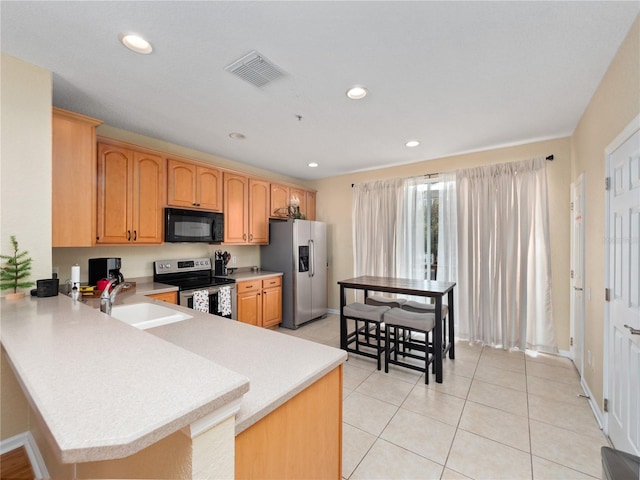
(138,261)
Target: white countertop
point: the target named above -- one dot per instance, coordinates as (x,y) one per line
(106,389)
(278,365)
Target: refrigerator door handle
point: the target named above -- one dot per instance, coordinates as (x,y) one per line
(312,258)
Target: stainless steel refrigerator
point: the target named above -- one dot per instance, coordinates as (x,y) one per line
(298,248)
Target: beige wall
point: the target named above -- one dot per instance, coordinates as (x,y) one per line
(613,106)
(334,207)
(25,162)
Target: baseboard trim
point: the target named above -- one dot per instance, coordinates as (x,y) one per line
(27,441)
(593,404)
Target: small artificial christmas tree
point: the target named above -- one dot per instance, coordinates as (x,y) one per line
(15,270)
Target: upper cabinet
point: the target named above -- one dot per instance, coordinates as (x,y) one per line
(258,211)
(131,185)
(73,179)
(310,200)
(279,200)
(190,185)
(281,197)
(246,210)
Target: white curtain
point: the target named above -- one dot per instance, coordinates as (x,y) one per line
(448,240)
(504,271)
(410,254)
(374,214)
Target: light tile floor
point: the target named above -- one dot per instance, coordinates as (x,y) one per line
(496,415)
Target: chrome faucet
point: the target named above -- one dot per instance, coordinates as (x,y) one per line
(107,299)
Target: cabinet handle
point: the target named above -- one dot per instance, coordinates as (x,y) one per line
(128,235)
(251,237)
(244,236)
(135,235)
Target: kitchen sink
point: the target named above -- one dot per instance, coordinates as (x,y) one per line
(147,315)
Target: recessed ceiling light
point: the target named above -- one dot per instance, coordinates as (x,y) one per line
(356,93)
(412,143)
(136,43)
(313,164)
(237,136)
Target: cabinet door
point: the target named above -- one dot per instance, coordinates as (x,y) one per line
(311,205)
(302,198)
(148,199)
(279,200)
(114,194)
(271,302)
(181,184)
(235,208)
(250,302)
(209,188)
(258,212)
(73,216)
(169,297)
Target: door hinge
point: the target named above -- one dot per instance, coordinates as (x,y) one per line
(571,341)
(606,404)
(607,183)
(607,295)
(571,206)
(571,273)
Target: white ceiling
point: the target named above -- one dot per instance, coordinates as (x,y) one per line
(458,76)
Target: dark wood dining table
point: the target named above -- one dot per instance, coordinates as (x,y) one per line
(406,286)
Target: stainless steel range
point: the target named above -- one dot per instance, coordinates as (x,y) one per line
(193,276)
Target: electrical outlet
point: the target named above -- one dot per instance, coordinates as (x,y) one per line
(234,260)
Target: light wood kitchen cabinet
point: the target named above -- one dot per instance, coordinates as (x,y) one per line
(281,197)
(169,297)
(271,302)
(258,212)
(73,190)
(246,210)
(307,446)
(250,302)
(260,302)
(191,185)
(311,205)
(131,187)
(279,200)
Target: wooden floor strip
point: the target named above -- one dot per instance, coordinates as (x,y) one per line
(16,465)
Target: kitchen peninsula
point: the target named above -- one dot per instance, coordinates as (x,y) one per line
(202,398)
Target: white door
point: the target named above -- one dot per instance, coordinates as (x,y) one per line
(577,273)
(623,165)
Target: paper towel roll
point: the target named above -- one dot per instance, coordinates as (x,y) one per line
(75,275)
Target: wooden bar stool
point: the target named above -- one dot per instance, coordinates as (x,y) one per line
(400,327)
(367,332)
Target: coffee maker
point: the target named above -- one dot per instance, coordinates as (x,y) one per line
(105,268)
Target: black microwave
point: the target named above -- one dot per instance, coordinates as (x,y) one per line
(193,226)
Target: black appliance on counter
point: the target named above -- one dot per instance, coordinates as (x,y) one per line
(195,275)
(108,267)
(193,226)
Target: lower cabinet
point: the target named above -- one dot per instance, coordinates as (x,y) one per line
(271,302)
(300,439)
(169,297)
(260,302)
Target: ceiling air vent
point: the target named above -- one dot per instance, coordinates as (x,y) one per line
(255,69)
